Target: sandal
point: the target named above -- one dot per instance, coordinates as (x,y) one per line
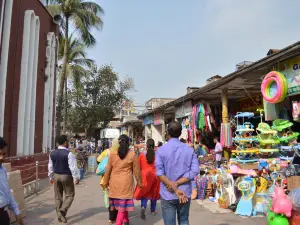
(143,213)
(111,222)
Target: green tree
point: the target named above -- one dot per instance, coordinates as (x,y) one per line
(101,95)
(84,15)
(76,67)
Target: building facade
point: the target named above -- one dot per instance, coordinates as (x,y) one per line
(28,69)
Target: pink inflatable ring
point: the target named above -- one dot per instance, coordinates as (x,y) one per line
(278,80)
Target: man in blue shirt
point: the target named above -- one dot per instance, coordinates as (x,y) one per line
(176,166)
(7,200)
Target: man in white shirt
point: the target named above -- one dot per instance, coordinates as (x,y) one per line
(7,200)
(218,152)
(63,172)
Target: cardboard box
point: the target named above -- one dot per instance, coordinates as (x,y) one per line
(293,182)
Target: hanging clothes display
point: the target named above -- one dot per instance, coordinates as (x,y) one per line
(211,116)
(201,116)
(296,111)
(226,135)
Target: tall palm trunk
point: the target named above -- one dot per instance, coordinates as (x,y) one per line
(62,79)
(65,106)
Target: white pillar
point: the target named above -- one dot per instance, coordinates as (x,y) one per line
(27,92)
(34,84)
(51,56)
(28,103)
(4,57)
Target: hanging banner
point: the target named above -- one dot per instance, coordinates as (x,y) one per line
(291,70)
(158,118)
(147,120)
(247,104)
(184,110)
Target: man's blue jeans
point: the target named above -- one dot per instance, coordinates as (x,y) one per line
(171,207)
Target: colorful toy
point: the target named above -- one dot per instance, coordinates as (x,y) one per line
(228,184)
(274,219)
(285,134)
(261,207)
(267,139)
(234,169)
(274,87)
(244,140)
(247,187)
(261,185)
(280,203)
(262,198)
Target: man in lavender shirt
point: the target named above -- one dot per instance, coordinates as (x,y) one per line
(176,166)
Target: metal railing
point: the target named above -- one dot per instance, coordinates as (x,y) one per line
(32,187)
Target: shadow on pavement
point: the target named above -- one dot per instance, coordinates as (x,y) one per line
(86,214)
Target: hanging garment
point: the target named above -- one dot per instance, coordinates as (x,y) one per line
(197,117)
(211,115)
(296,111)
(226,135)
(201,117)
(184,134)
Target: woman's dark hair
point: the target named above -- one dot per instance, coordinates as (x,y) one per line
(150,151)
(3,143)
(124,146)
(160,144)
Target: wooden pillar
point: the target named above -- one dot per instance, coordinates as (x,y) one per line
(224,97)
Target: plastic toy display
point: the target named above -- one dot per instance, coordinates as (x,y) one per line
(267,138)
(274,87)
(244,140)
(245,205)
(283,127)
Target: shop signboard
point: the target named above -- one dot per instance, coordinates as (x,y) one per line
(158,118)
(184,110)
(247,104)
(147,120)
(291,70)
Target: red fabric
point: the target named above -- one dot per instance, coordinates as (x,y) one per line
(151,183)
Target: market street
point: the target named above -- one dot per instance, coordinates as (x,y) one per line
(88,208)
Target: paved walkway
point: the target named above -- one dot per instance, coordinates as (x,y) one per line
(88,208)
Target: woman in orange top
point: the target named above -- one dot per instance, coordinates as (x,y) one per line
(118,178)
(151,183)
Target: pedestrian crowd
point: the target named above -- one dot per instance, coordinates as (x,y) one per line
(166,174)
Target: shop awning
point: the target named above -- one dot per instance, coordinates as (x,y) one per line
(241,83)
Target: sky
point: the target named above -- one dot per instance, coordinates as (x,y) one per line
(169,45)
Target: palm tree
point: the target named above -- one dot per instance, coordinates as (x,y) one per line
(84,15)
(76,66)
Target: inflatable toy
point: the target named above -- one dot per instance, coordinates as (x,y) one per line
(294,196)
(274,87)
(281,203)
(274,219)
(247,188)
